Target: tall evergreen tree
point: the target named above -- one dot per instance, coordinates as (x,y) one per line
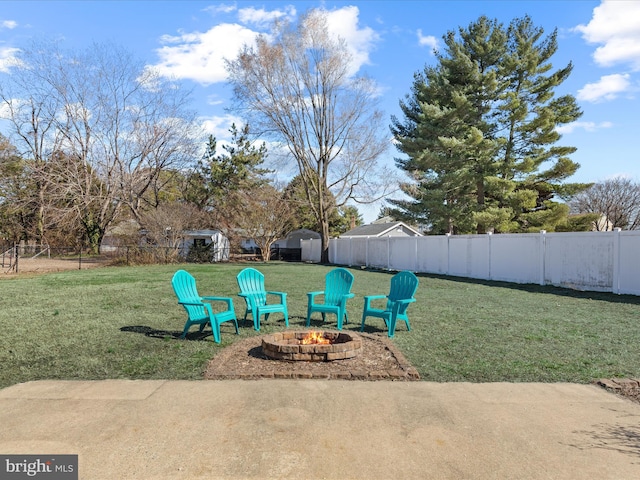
(479,133)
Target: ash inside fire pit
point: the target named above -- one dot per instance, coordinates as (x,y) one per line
(311,346)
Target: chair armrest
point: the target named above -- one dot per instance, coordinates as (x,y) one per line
(345,297)
(197,301)
(398,303)
(282,295)
(194,301)
(406,300)
(312,295)
(369,298)
(227,300)
(374,297)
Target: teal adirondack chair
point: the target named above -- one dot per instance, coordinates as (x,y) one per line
(336,292)
(251,283)
(403,288)
(199,311)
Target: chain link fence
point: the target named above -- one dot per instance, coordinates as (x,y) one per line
(22,258)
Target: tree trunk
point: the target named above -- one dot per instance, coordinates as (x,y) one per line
(324,253)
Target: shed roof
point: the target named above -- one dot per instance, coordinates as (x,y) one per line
(378,230)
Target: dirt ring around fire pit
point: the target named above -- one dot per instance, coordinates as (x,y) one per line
(379,359)
(292,346)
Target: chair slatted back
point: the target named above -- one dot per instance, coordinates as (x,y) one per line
(403,287)
(338,283)
(251,282)
(184,286)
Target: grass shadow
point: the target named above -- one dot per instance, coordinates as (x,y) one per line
(165,334)
(527,287)
(545,289)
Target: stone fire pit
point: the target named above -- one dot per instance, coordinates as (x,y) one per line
(289,346)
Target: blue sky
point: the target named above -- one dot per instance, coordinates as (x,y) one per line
(390,41)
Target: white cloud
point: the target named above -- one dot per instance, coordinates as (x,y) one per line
(343,22)
(607,88)
(219,126)
(10,24)
(587,126)
(8,59)
(200,56)
(263,18)
(615,25)
(221,8)
(427,40)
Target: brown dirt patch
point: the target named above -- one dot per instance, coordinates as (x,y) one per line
(379,360)
(45,265)
(628,388)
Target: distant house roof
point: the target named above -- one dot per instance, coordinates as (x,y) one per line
(382,230)
(200,233)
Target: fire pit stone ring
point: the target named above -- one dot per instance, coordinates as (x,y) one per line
(289,346)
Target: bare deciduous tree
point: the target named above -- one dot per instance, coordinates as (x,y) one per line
(262,214)
(119,124)
(617,200)
(297,87)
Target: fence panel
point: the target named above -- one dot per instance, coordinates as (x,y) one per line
(628,259)
(581,260)
(402,253)
(358,251)
(432,255)
(339,252)
(378,252)
(469,256)
(517,257)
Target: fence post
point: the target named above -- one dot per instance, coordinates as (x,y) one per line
(490,246)
(543,254)
(15,265)
(448,254)
(615,287)
(366,251)
(388,252)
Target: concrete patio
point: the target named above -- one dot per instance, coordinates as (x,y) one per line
(324,429)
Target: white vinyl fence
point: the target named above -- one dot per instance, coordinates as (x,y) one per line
(597,261)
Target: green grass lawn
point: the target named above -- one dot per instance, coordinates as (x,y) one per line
(122,322)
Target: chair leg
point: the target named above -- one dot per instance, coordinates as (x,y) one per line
(364,315)
(286,317)
(256,320)
(215,328)
(391,325)
(186,330)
